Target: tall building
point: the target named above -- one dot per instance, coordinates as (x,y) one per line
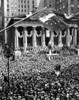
(0,15)
(1,20)
(67,6)
(18,7)
(49,3)
(44,3)
(61,5)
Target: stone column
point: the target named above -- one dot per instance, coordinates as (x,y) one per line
(5,36)
(43,37)
(52,38)
(67,38)
(25,39)
(16,38)
(60,39)
(75,36)
(34,37)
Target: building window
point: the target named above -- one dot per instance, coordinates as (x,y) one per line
(33,2)
(21,6)
(60,8)
(25,1)
(72,5)
(18,10)
(78,6)
(25,10)
(63,6)
(57,2)
(28,2)
(12,14)
(22,10)
(21,1)
(72,9)
(24,6)
(28,6)
(7,9)
(7,0)
(7,5)
(57,9)
(18,13)
(60,0)
(33,6)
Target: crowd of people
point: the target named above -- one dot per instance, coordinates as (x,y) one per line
(33,77)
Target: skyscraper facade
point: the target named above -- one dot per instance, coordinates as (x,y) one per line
(61,5)
(1,21)
(44,3)
(18,7)
(49,3)
(67,6)
(1,15)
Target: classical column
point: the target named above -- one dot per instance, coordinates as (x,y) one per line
(52,38)
(16,38)
(75,36)
(25,39)
(43,37)
(34,36)
(5,36)
(67,38)
(60,39)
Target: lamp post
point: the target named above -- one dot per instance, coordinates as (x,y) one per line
(7,54)
(8,73)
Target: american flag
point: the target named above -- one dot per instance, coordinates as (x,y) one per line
(51,20)
(67,17)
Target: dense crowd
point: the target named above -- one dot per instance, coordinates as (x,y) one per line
(34,77)
(43,86)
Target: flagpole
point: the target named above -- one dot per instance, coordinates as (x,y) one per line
(22,20)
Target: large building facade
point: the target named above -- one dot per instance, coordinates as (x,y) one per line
(1,21)
(32,33)
(67,6)
(18,7)
(61,5)
(45,3)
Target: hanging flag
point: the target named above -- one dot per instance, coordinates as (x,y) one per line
(51,20)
